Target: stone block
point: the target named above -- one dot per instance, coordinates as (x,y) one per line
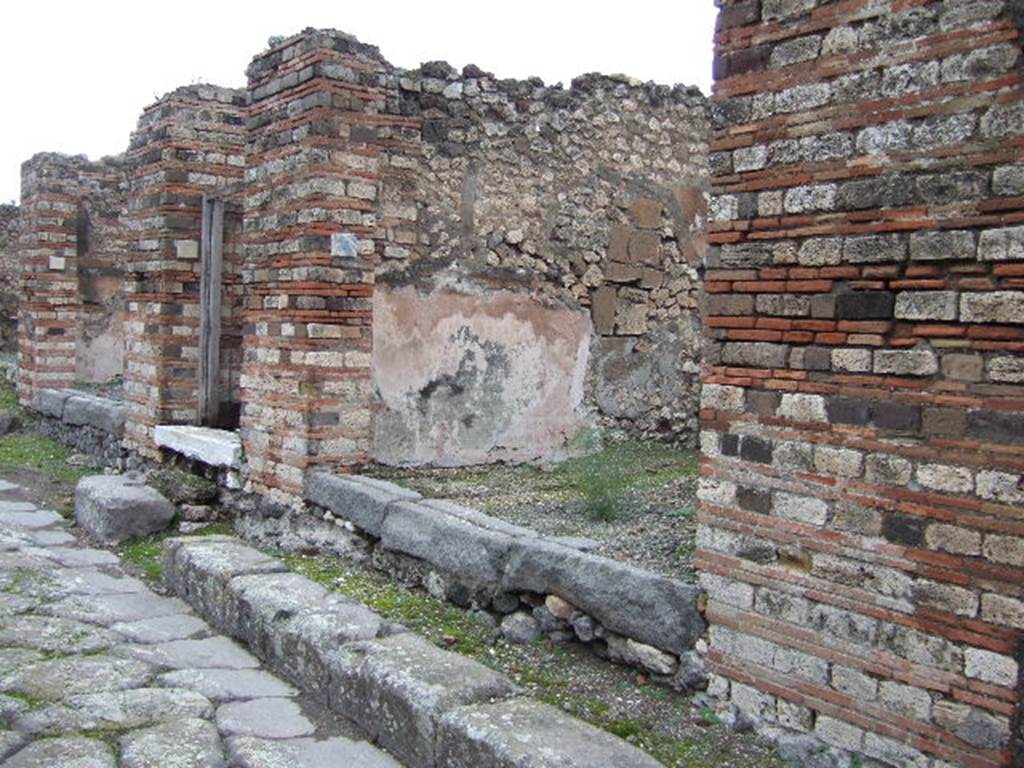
(865,305)
(645,247)
(400,688)
(472,554)
(803,509)
(1005,244)
(98,412)
(886,469)
(755,354)
(630,601)
(926,305)
(50,402)
(519,733)
(115,508)
(906,362)
(603,307)
(965,367)
(215,447)
(943,245)
(362,501)
(992,307)
(868,249)
(199,570)
(1009,370)
(722,398)
(990,667)
(801,407)
(838,462)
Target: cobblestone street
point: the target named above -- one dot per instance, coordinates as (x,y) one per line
(97,670)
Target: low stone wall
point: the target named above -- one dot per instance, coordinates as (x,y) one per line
(426,706)
(512,576)
(89,424)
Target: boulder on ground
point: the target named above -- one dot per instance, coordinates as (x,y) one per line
(115,508)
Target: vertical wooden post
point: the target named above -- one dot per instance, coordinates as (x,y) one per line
(211,263)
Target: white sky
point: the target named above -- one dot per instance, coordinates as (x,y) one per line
(78,73)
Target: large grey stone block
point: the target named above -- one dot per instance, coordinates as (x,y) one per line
(114,508)
(645,606)
(473,554)
(362,501)
(294,624)
(400,687)
(50,402)
(520,733)
(101,413)
(199,570)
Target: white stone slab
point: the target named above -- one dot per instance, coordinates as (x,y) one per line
(216,447)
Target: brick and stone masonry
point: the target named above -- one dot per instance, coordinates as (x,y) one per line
(190,143)
(10,277)
(861,534)
(71,212)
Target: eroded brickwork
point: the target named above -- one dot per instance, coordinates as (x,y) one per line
(861,536)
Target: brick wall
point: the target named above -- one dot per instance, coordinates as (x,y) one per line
(190,143)
(65,201)
(325,147)
(861,532)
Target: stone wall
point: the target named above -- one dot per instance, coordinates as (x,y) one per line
(861,537)
(10,277)
(531,254)
(559,206)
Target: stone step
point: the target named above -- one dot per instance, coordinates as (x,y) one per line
(428,707)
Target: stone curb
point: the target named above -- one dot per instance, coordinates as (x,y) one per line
(489,554)
(81,409)
(429,707)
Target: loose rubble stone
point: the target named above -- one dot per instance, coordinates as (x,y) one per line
(520,627)
(114,508)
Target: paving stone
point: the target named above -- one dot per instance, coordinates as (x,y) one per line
(11,742)
(71,557)
(89,581)
(250,752)
(274,718)
(6,486)
(56,679)
(188,743)
(162,629)
(69,752)
(28,516)
(49,538)
(116,710)
(520,733)
(398,687)
(115,508)
(209,653)
(15,658)
(10,507)
(228,684)
(55,634)
(108,609)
